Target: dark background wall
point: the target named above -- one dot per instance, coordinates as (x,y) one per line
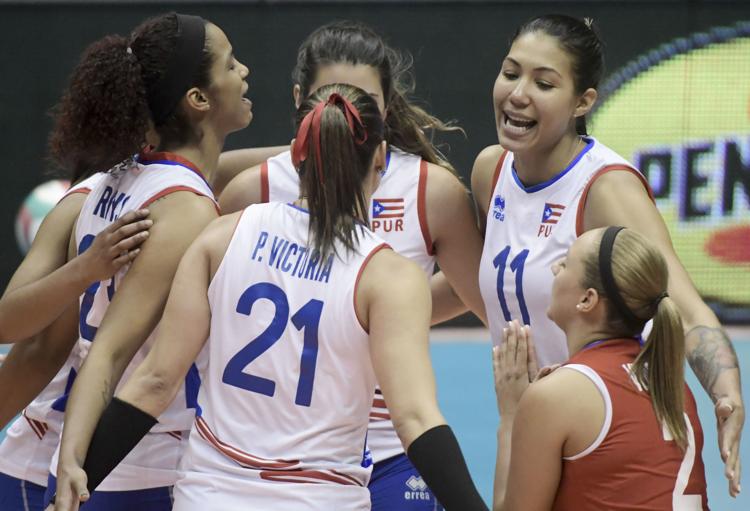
(457,46)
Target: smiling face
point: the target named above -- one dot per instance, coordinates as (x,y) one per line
(534,95)
(229,108)
(363,76)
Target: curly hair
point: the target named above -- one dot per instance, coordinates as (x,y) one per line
(103,116)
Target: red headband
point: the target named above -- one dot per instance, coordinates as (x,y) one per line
(300,149)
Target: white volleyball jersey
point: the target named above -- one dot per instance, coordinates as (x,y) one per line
(398,214)
(31,440)
(86,185)
(287,379)
(154,460)
(528,229)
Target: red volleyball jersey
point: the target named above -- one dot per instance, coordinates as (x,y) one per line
(634,464)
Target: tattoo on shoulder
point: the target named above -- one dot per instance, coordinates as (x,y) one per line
(713,354)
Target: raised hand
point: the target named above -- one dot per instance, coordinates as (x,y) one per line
(514,366)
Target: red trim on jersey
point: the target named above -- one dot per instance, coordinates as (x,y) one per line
(39,427)
(597,174)
(70,192)
(309,476)
(379,403)
(175,434)
(496,176)
(83,189)
(359,274)
(176,158)
(378,415)
(422,208)
(264,189)
(179,188)
(243,458)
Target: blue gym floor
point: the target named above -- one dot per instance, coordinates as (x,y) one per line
(463,370)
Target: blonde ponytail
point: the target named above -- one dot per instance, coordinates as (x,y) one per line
(637,294)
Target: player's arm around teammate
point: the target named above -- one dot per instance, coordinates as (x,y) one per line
(393,301)
(619,198)
(41,293)
(156,381)
(451,223)
(233,163)
(457,244)
(194,122)
(376,305)
(46,283)
(616,193)
(132,315)
(450,220)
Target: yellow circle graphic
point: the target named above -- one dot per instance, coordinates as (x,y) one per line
(681,114)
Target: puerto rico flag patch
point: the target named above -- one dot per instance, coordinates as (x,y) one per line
(388,208)
(552,213)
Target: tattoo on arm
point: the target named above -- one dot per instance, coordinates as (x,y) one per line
(712,354)
(107,392)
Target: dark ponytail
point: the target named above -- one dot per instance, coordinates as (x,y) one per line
(408,126)
(103,116)
(332,175)
(581,41)
(641,276)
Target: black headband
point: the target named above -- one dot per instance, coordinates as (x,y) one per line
(181,69)
(608,279)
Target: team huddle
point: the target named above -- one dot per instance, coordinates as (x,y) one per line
(198,330)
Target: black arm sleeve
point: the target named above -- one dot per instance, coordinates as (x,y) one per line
(120,428)
(438,458)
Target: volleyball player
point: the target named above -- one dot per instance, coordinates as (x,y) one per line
(177,73)
(626,432)
(420,209)
(44,290)
(291,306)
(548,169)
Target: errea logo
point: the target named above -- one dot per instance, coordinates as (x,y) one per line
(416,484)
(417,489)
(498,208)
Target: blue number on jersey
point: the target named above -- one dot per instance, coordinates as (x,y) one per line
(500,262)
(87,331)
(307,319)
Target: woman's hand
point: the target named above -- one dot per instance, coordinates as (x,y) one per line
(515,366)
(71,487)
(115,246)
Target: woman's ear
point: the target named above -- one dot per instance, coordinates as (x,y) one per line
(588,300)
(586,102)
(196,100)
